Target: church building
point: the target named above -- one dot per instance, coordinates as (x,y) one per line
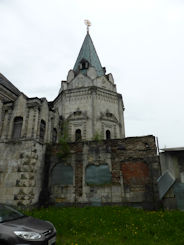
(102,166)
(87,101)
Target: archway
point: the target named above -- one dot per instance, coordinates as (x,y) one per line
(108,135)
(78,135)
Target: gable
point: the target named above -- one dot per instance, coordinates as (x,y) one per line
(80,81)
(103,82)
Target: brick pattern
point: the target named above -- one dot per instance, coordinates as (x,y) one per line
(134,165)
(78,175)
(78,180)
(135,175)
(135,172)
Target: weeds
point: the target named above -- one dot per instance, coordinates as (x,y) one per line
(114,226)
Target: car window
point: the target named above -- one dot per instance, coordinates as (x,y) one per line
(8,213)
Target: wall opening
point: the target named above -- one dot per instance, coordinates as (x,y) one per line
(62,175)
(98,175)
(78,135)
(84,64)
(42,130)
(54,135)
(17,127)
(108,135)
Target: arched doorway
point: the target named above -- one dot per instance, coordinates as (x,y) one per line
(78,135)
(108,135)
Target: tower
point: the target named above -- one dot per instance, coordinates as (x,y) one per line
(88,100)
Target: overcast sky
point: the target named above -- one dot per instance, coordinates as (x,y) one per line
(141,42)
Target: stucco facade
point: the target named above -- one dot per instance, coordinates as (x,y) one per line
(88,100)
(102,165)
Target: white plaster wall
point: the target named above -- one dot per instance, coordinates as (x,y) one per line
(94,97)
(75,102)
(5,125)
(30,123)
(19,110)
(44,115)
(80,81)
(106,104)
(103,82)
(1,114)
(21,170)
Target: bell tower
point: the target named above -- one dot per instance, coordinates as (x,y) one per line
(88,99)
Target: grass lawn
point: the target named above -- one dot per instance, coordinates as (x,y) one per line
(114,225)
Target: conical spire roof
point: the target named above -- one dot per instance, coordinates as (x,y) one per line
(89,54)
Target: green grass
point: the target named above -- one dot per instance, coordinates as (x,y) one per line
(114,225)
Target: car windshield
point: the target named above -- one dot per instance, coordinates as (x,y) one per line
(8,213)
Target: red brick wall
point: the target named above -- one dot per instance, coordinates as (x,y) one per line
(135,174)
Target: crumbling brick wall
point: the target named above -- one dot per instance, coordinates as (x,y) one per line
(132,168)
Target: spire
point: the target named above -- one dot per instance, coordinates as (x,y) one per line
(88,57)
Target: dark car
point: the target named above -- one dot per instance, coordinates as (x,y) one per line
(16,228)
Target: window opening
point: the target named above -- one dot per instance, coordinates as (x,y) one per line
(42,130)
(17,127)
(84,64)
(78,135)
(62,175)
(54,135)
(108,135)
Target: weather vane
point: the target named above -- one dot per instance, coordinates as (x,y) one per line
(88,24)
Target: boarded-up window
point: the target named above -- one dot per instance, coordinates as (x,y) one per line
(62,175)
(135,175)
(78,136)
(98,175)
(17,127)
(42,130)
(54,135)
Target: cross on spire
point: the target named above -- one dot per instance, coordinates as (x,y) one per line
(88,24)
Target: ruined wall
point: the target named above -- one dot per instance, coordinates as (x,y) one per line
(113,172)
(21,168)
(122,172)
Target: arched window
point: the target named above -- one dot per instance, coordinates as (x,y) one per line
(54,135)
(108,135)
(98,175)
(17,127)
(62,175)
(42,130)
(78,136)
